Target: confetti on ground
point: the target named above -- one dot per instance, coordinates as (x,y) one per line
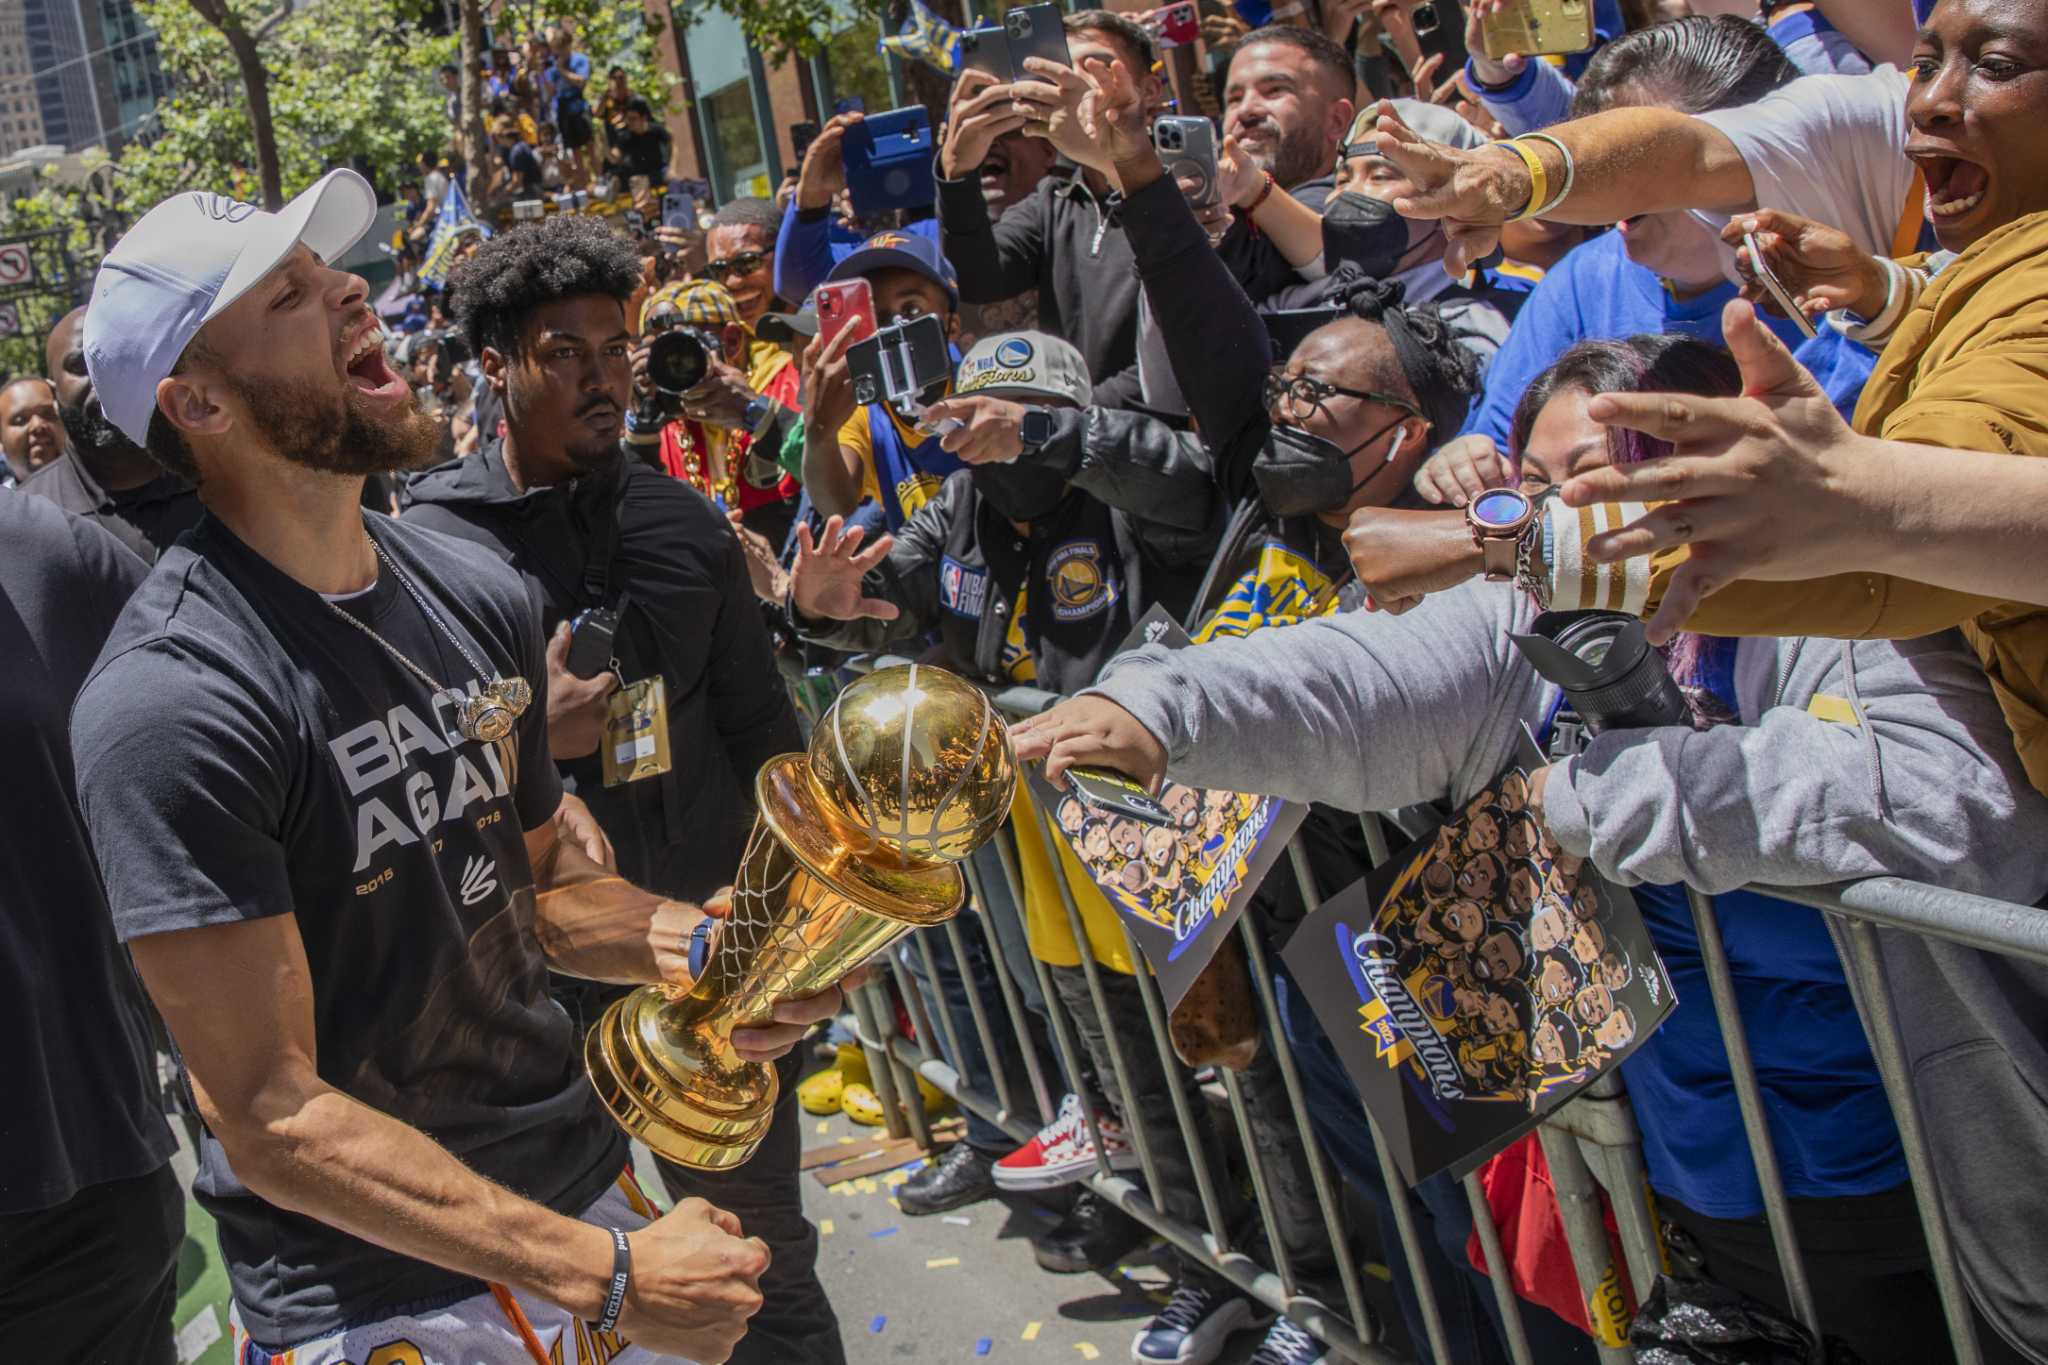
(880,1321)
(1031,1330)
(959,1220)
(824,1227)
(984,1346)
(894,1205)
(941,1262)
(1087,1350)
(824,1126)
(895,1178)
(1379,1272)
(866,1185)
(846,1142)
(883,1232)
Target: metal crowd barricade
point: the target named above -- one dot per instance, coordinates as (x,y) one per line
(1591,1144)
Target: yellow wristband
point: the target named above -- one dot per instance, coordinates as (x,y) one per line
(1539,183)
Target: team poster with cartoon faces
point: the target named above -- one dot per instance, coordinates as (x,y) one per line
(1180,886)
(1479,980)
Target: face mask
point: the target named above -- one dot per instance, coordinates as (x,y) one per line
(1300,474)
(1019,492)
(1364,231)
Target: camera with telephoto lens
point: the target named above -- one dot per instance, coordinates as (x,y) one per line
(1611,676)
(680,356)
(899,361)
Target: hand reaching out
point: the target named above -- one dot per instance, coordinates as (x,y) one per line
(1091,732)
(1463,469)
(824,169)
(1093,116)
(825,582)
(980,111)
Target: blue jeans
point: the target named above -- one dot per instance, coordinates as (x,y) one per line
(1472,1322)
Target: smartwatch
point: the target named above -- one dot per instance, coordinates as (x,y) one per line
(1497,519)
(1035,429)
(755,415)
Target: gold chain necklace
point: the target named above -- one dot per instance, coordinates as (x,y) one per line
(487,715)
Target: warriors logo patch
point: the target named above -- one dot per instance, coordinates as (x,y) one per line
(1080,588)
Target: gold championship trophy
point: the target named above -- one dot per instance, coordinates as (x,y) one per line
(855,845)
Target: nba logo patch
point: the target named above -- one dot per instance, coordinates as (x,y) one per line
(962,590)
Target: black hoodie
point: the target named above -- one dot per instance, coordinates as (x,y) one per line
(688,611)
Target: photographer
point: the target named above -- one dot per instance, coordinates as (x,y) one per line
(613,547)
(1429,706)
(700,417)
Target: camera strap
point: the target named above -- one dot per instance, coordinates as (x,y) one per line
(597,567)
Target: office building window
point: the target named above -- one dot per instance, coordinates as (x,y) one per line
(739,166)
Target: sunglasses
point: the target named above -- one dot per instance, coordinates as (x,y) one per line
(740,263)
(1302,394)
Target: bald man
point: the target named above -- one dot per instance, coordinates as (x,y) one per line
(105,477)
(30,434)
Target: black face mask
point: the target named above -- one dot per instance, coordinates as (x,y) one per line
(1364,231)
(1018,492)
(1300,473)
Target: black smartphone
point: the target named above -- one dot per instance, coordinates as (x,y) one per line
(987,49)
(591,637)
(1038,31)
(1112,793)
(801,135)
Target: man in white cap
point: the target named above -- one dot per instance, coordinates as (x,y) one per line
(313,760)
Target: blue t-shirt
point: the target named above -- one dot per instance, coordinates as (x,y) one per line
(1830,1122)
(1597,293)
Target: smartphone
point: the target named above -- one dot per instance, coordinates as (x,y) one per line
(1775,287)
(679,210)
(801,135)
(843,304)
(1538,28)
(1110,792)
(1177,25)
(889,160)
(1038,31)
(1187,144)
(899,361)
(987,49)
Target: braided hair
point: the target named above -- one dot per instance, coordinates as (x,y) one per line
(1441,374)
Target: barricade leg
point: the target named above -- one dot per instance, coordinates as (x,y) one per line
(1868,967)
(1578,1200)
(877,1023)
(1749,1099)
(1005,965)
(1498,1275)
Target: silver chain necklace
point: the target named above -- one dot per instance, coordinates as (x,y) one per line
(487,715)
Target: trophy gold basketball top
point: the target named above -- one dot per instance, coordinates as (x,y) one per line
(855,844)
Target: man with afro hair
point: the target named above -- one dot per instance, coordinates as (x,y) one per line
(599,536)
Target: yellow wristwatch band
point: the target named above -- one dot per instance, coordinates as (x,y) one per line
(1539,182)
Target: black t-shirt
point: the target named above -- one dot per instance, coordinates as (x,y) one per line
(146,518)
(645,153)
(524,163)
(243,752)
(77,1068)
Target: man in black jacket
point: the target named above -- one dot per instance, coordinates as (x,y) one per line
(593,531)
(1062,240)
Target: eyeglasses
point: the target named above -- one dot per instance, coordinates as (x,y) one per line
(740,263)
(1298,395)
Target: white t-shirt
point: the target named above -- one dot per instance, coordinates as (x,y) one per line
(1829,148)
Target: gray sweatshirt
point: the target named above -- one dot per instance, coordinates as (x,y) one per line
(1371,712)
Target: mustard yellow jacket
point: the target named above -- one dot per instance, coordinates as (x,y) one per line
(1967,369)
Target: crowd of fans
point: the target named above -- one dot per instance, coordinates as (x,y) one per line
(1268,406)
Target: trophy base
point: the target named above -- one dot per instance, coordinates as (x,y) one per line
(677,1087)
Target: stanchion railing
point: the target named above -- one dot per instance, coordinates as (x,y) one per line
(1591,1143)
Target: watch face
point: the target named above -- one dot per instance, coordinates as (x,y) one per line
(1036,428)
(1499,507)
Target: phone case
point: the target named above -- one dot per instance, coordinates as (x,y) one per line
(1775,287)
(899,361)
(1539,27)
(986,49)
(1187,146)
(1037,31)
(889,160)
(843,304)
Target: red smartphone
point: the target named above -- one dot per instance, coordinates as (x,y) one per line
(1176,25)
(842,304)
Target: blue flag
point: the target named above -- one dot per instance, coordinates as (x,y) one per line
(928,38)
(454,222)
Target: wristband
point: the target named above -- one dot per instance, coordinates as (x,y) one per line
(700,947)
(1265,189)
(1539,179)
(622,1275)
(1571,171)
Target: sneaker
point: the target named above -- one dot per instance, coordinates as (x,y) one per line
(1093,1236)
(957,1179)
(1062,1152)
(1191,1329)
(1288,1343)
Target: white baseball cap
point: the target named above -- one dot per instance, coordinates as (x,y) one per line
(184,262)
(1025,365)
